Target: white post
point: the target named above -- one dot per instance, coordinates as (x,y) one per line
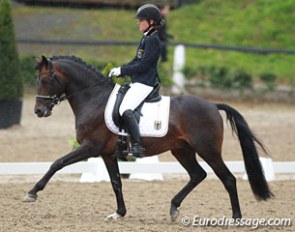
(178,65)
(100,174)
(147,176)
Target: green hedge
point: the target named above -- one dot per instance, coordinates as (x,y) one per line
(11,84)
(220,77)
(269,79)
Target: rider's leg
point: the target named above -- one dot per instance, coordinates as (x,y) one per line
(133,98)
(130,120)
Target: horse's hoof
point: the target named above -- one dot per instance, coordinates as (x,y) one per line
(174,214)
(237,216)
(30,198)
(112,217)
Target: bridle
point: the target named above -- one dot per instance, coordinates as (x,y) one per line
(54,98)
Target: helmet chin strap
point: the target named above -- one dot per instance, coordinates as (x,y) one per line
(150,26)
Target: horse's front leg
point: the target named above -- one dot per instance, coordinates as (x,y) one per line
(113,170)
(83,152)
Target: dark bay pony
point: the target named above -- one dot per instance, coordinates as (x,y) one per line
(195,126)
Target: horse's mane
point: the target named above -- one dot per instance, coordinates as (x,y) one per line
(92,70)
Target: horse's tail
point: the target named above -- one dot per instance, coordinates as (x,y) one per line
(248,142)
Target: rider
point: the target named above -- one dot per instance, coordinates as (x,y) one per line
(142,69)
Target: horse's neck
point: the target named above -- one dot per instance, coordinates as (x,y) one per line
(86,89)
(88,103)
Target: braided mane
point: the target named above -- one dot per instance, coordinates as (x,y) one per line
(80,61)
(89,69)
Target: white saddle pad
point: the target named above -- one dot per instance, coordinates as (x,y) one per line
(153,123)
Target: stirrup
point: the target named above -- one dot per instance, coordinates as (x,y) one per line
(120,149)
(137,150)
(124,155)
(120,155)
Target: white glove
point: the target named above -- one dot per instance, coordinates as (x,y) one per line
(115,72)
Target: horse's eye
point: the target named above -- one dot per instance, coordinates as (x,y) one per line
(45,82)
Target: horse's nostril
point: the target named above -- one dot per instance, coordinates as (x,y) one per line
(38,112)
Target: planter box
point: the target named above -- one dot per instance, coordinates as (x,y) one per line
(10,112)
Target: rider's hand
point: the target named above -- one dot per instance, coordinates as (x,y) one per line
(115,72)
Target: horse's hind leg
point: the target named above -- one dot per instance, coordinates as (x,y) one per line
(228,180)
(186,157)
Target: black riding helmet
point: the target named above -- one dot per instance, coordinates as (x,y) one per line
(148,12)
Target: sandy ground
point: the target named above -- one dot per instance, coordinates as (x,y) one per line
(83,207)
(66,205)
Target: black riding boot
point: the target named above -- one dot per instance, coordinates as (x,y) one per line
(132,125)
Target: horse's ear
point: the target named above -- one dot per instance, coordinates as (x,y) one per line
(40,63)
(44,60)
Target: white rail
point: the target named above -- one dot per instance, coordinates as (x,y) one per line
(27,168)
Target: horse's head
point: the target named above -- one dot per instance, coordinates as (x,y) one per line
(50,87)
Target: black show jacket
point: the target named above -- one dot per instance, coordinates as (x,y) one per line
(143,67)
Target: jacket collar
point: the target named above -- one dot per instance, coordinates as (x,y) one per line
(149,32)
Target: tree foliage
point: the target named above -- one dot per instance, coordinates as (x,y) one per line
(11,85)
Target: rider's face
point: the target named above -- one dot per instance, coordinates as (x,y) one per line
(143,25)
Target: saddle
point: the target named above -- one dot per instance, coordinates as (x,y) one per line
(122,143)
(154,96)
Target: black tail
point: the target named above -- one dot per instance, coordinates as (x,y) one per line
(248,142)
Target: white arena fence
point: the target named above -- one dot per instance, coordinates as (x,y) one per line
(148,168)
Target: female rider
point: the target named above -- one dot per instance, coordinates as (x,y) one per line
(142,70)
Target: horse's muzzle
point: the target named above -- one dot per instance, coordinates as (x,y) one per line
(44,112)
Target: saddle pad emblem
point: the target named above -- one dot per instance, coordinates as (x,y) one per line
(153,123)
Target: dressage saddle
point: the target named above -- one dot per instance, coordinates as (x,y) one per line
(122,143)
(154,96)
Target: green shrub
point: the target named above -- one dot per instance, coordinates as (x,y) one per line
(165,74)
(11,83)
(241,79)
(269,79)
(225,78)
(218,77)
(27,64)
(190,72)
(200,73)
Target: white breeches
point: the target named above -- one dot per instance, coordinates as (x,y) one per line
(134,96)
